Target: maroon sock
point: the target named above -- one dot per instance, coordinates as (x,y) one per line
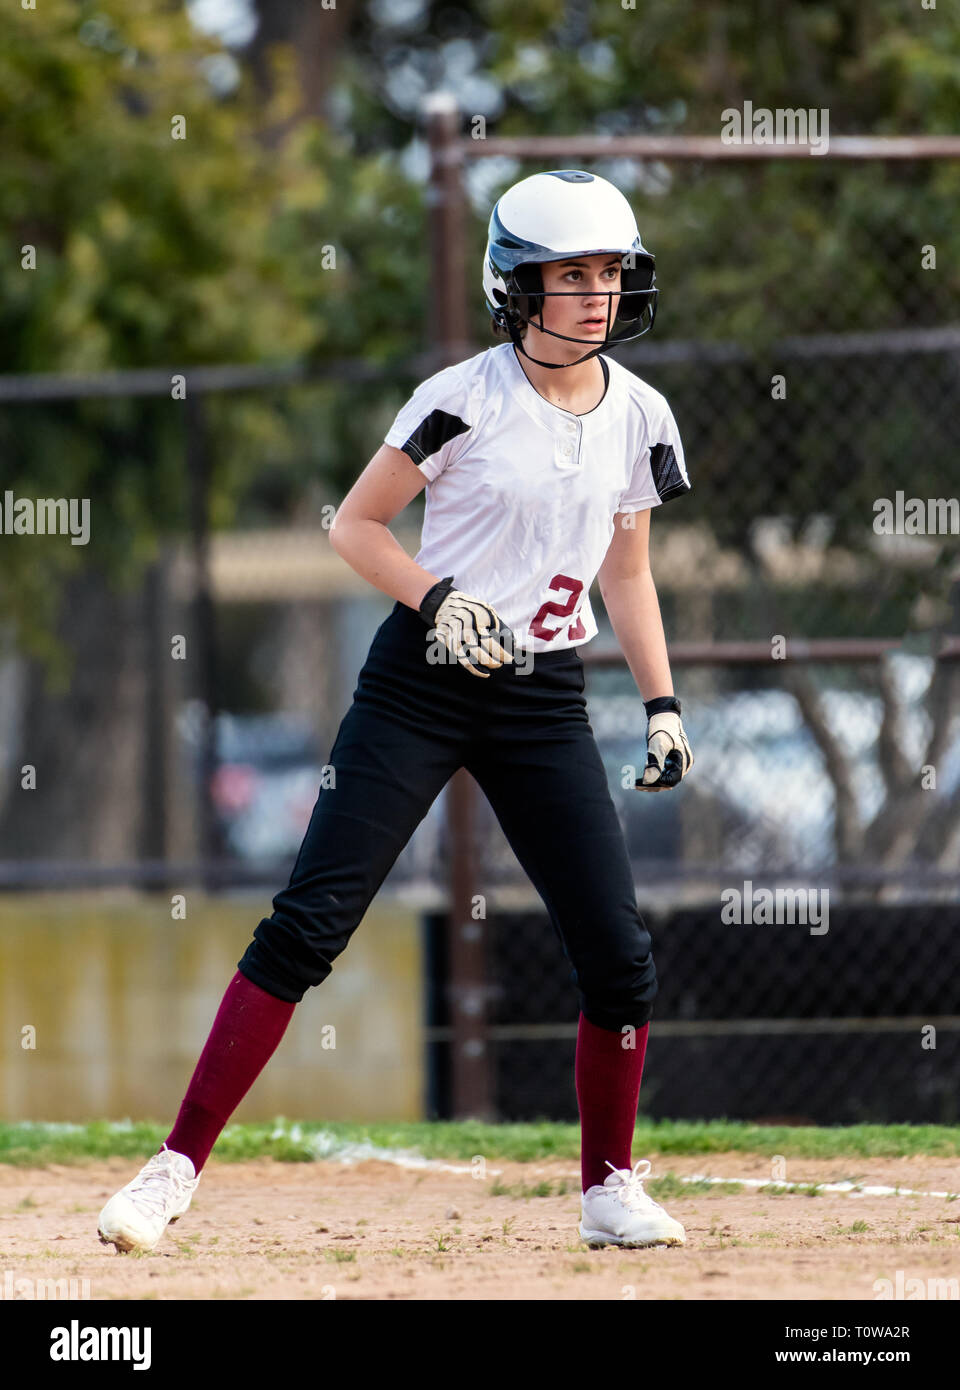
(608,1090)
(245,1034)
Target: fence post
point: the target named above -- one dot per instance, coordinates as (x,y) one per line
(154,837)
(467,985)
(204,633)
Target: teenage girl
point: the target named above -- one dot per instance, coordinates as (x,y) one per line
(542,460)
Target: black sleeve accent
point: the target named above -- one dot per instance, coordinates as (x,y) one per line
(432,433)
(667,478)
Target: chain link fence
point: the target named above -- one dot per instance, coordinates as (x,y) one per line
(759,1021)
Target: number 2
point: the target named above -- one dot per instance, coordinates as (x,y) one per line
(560,610)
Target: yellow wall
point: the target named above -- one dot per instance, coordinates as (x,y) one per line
(122,998)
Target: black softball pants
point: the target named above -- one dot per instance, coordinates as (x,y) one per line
(527,740)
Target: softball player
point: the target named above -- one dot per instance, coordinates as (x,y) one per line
(542,461)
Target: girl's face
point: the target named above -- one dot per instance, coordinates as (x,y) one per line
(585,299)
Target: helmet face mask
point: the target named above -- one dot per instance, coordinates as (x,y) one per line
(526,302)
(556,217)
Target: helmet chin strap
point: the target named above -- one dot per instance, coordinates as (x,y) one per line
(518,344)
(517,340)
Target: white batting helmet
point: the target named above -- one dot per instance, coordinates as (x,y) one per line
(551,217)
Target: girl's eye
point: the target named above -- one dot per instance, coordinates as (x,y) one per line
(611,273)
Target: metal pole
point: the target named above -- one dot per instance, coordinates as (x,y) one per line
(467,986)
(710,147)
(799,651)
(447,220)
(156,784)
(204,631)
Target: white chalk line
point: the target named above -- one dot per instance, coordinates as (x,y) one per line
(326,1145)
(854,1189)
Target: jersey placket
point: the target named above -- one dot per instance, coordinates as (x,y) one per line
(568,439)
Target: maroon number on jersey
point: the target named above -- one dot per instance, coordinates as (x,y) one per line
(560,610)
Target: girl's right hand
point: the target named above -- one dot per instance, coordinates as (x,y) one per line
(470,629)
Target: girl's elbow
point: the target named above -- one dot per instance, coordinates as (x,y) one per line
(337,534)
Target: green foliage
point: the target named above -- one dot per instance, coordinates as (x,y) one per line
(149,248)
(153,251)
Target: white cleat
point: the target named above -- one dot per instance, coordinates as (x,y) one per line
(136,1217)
(621,1213)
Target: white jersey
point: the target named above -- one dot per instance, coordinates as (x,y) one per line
(521,494)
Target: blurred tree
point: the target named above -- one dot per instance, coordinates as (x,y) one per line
(316,32)
(131,247)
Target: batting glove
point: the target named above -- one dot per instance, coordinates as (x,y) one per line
(469,628)
(668,753)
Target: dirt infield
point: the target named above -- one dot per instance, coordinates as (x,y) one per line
(377,1231)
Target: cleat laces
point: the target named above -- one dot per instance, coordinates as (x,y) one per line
(160,1185)
(630,1190)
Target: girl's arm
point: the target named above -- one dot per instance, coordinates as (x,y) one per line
(630,597)
(359,532)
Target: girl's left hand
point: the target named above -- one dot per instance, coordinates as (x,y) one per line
(669,758)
